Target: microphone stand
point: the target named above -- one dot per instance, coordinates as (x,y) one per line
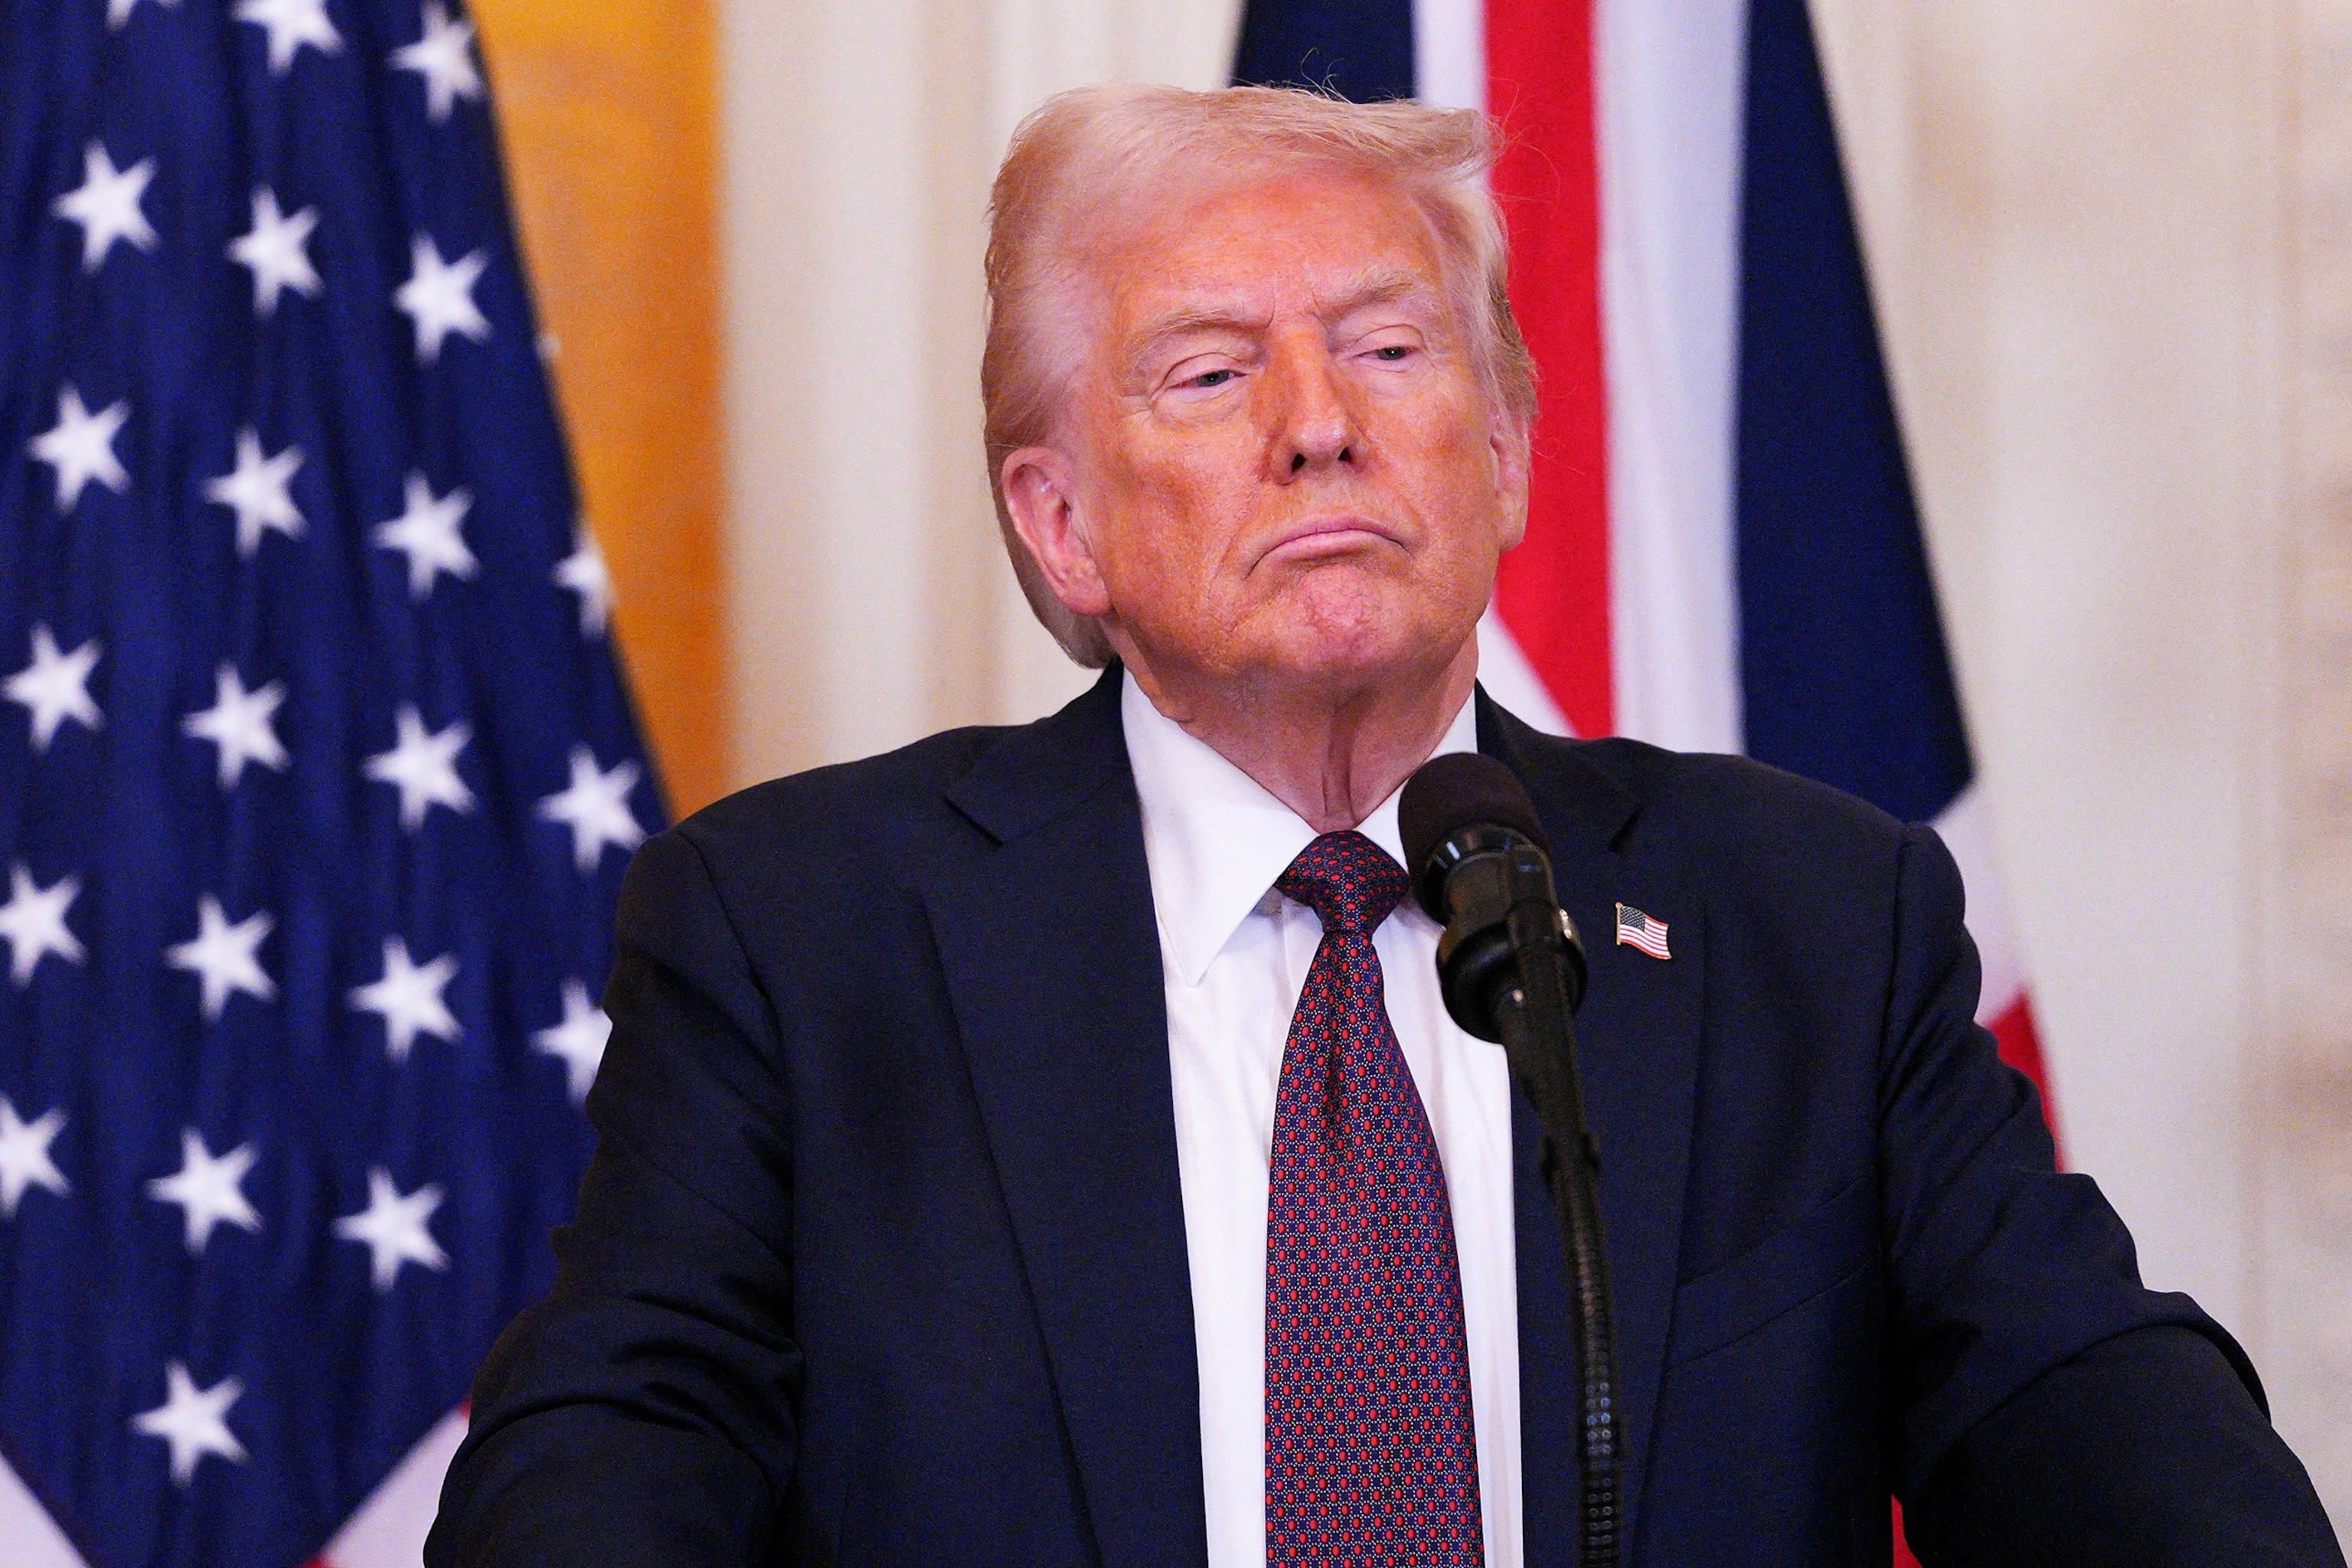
(1512,969)
(1536,1018)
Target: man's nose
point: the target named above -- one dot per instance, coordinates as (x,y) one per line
(1315,427)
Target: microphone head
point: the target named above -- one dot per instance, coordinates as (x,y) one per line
(1448,793)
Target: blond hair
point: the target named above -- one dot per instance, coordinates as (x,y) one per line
(1123,144)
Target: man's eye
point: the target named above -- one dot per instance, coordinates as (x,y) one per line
(1211,378)
(1393,353)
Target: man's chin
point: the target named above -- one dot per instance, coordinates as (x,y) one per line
(1339,662)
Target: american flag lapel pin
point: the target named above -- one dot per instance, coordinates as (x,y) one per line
(1635,929)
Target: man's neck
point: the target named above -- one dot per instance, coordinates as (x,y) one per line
(1330,756)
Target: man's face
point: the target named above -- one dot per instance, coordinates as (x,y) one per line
(1282,465)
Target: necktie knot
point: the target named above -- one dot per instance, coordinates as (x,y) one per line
(1349,881)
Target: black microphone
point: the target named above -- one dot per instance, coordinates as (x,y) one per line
(1512,969)
(1481,867)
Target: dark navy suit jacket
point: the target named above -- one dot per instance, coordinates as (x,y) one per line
(882,1256)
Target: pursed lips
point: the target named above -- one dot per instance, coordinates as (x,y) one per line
(1329,536)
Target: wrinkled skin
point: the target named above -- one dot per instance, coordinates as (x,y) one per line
(1279,484)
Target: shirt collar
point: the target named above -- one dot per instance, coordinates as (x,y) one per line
(1216,840)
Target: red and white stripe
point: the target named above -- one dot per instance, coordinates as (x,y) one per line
(390,1528)
(1637,930)
(388,1531)
(1621,184)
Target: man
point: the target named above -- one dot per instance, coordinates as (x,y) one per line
(1048,1146)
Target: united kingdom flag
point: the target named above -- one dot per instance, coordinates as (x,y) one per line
(317,774)
(1723,552)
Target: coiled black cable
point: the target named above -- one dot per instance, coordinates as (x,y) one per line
(1539,1039)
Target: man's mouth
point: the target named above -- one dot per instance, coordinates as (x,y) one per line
(1339,534)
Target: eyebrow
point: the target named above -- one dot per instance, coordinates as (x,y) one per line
(1373,286)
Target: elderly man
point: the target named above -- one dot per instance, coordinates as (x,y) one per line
(1048,1146)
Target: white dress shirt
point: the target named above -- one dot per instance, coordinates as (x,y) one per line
(1236,954)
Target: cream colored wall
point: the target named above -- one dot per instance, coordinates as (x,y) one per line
(2070,212)
(2108,241)
(869,602)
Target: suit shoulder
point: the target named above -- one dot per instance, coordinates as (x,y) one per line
(1736,790)
(1783,865)
(885,797)
(1735,815)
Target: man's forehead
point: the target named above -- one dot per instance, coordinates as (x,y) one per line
(1174,303)
(1221,226)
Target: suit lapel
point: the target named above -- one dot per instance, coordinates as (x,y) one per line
(1052,958)
(1637,1045)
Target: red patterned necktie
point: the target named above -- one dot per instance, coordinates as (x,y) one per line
(1370,1457)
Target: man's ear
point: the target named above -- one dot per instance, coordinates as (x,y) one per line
(1040,495)
(1508,437)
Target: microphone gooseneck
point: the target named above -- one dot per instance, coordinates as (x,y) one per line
(1512,969)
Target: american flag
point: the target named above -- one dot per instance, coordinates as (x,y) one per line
(316,773)
(1635,929)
